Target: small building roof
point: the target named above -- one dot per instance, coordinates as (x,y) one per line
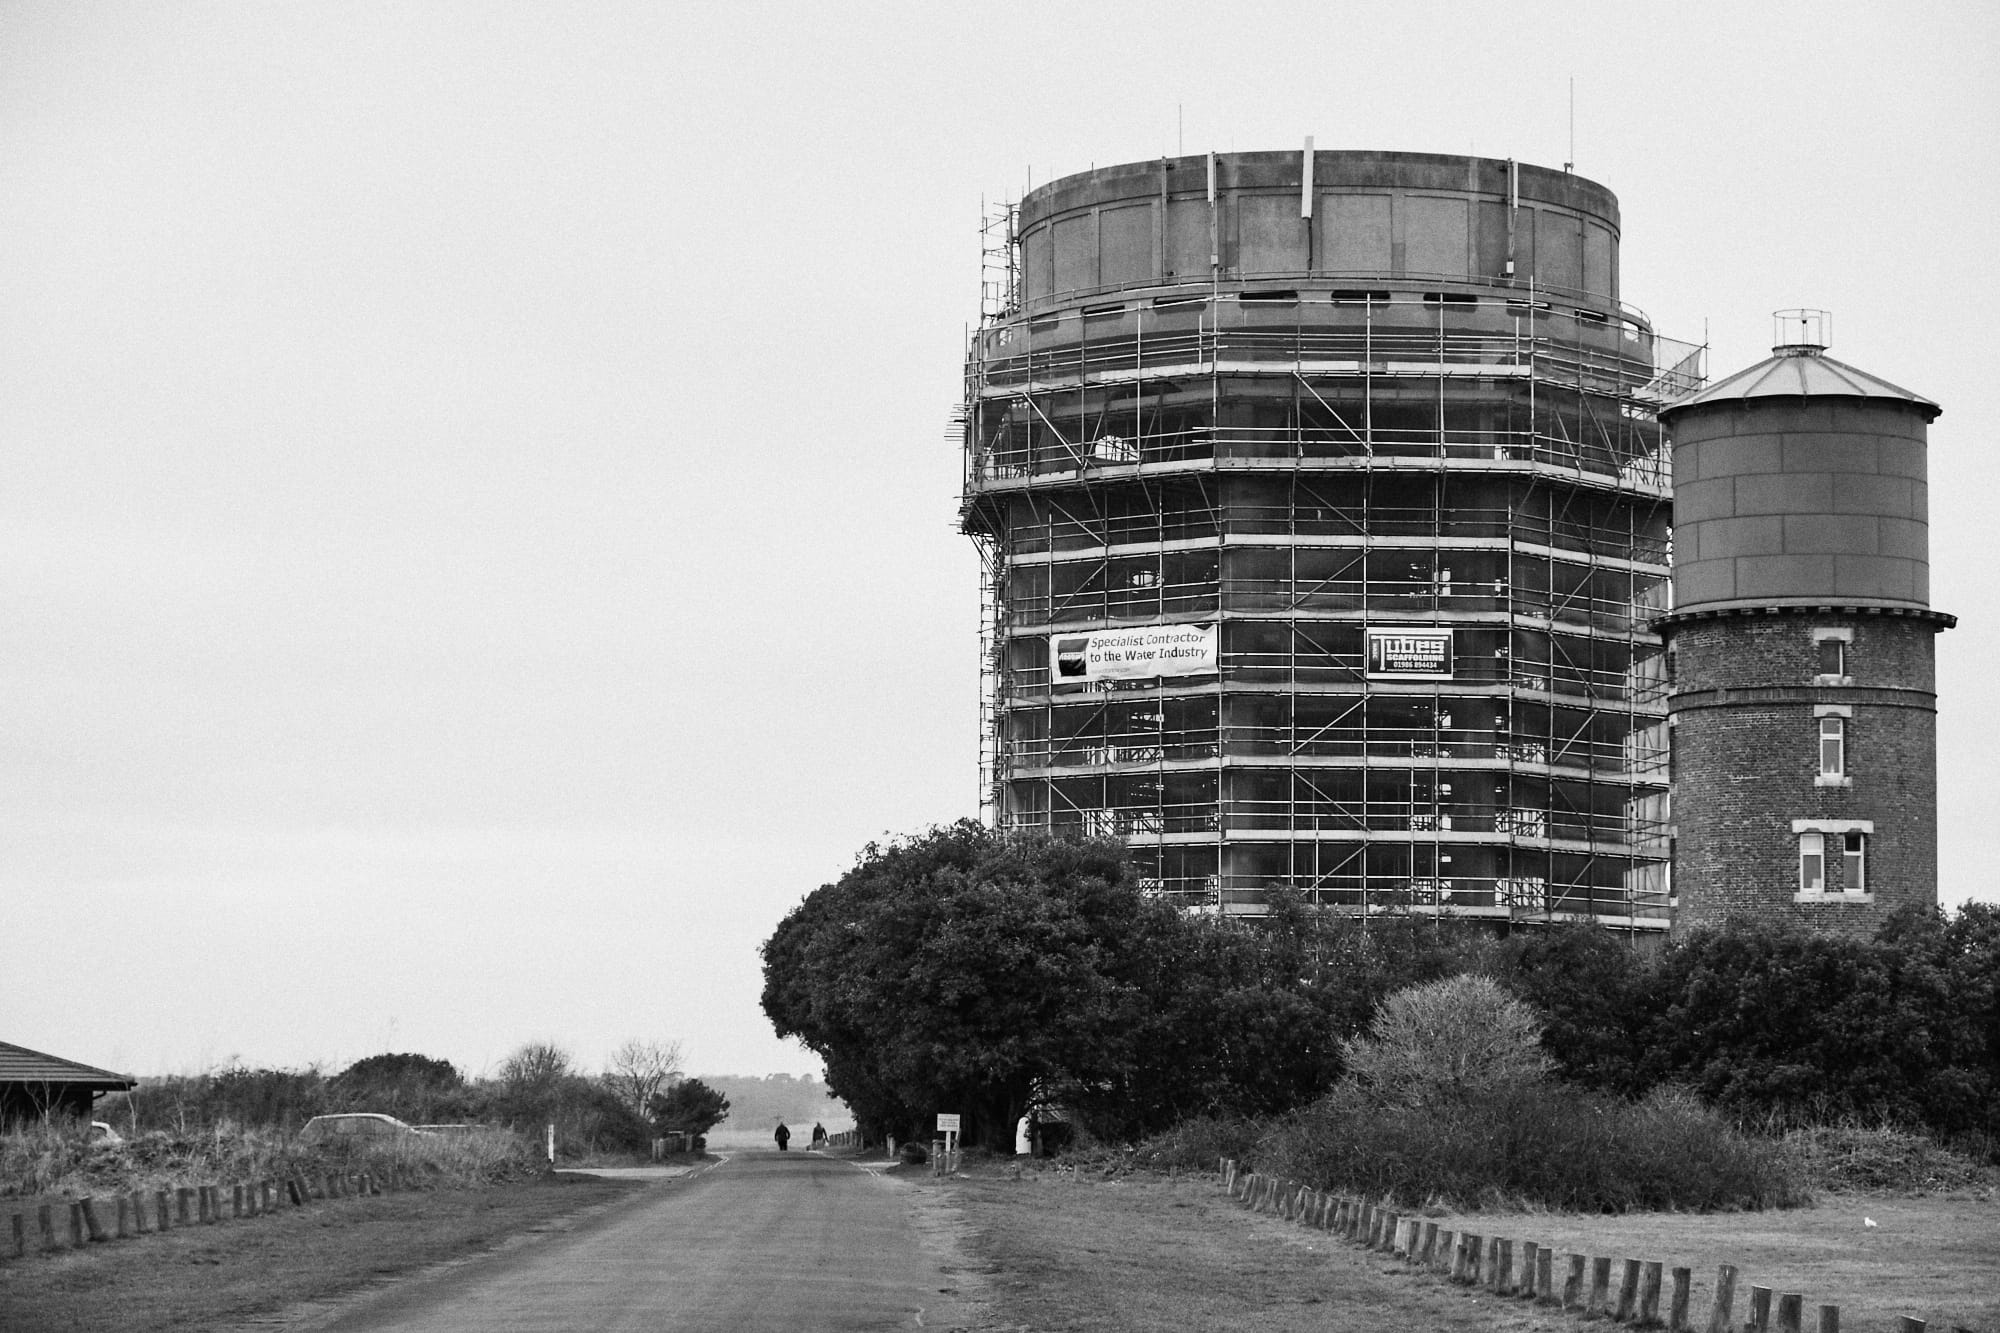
(18,1064)
(1801,372)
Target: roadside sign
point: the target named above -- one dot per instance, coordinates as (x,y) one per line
(947,1122)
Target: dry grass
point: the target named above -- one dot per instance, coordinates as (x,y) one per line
(58,1158)
(1932,1257)
(214,1276)
(1138,1252)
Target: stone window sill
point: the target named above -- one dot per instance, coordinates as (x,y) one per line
(1833,897)
(1833,680)
(1833,780)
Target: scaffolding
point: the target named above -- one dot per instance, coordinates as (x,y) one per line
(1298,468)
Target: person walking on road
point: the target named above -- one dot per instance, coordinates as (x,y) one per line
(819,1137)
(783,1136)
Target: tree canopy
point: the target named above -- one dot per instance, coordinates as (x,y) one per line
(690,1107)
(967,970)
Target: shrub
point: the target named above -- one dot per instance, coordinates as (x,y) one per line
(1448,1041)
(1537,1145)
(1849,1157)
(1198,1144)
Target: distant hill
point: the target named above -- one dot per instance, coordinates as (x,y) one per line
(756,1105)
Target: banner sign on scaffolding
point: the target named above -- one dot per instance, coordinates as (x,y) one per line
(1409,653)
(1133,654)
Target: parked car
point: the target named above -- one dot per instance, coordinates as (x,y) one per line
(356,1127)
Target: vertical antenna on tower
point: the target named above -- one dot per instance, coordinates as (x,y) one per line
(1571,163)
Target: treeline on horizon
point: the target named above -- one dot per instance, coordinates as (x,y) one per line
(994,973)
(639,1096)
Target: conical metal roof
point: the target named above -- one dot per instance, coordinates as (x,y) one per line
(1802,372)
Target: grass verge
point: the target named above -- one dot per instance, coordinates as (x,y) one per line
(212,1276)
(1141,1252)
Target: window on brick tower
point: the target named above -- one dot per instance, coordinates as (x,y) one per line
(1812,863)
(1832,747)
(1832,657)
(1853,862)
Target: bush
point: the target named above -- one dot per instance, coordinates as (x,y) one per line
(1537,1145)
(1199,1144)
(1447,1041)
(1853,1158)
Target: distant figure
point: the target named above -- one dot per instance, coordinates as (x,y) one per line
(783,1136)
(819,1137)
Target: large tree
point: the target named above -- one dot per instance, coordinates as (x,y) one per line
(971,971)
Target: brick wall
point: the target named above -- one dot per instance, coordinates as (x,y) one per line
(1746,760)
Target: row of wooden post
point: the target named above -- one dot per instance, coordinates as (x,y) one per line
(1587,1282)
(136,1214)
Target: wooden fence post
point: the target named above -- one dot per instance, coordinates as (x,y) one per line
(1829,1319)
(76,1223)
(1545,1276)
(20,1236)
(88,1207)
(1649,1294)
(1725,1299)
(236,1199)
(1499,1265)
(1460,1265)
(1529,1250)
(1760,1310)
(1600,1286)
(1791,1312)
(182,1198)
(162,1210)
(1475,1260)
(1573,1284)
(1427,1249)
(1677,1308)
(47,1217)
(1910,1325)
(1628,1292)
(124,1216)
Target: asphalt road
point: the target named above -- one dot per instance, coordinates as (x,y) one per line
(787,1242)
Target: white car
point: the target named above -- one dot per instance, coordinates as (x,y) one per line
(355,1127)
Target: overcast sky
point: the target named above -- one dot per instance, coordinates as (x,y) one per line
(477,535)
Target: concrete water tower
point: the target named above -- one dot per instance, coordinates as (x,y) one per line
(1804,706)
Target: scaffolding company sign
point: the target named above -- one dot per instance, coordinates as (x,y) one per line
(1409,654)
(1133,654)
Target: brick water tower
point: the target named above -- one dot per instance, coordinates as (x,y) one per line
(1804,706)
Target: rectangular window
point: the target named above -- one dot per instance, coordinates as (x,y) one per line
(1832,747)
(1812,863)
(1832,657)
(1853,862)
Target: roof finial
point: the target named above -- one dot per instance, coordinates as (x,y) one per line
(1801,332)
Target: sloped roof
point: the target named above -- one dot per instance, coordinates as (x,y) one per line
(1802,372)
(18,1064)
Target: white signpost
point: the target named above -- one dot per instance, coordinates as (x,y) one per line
(948,1126)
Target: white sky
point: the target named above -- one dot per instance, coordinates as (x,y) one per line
(477,536)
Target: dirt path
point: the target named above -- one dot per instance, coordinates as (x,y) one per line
(766,1241)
